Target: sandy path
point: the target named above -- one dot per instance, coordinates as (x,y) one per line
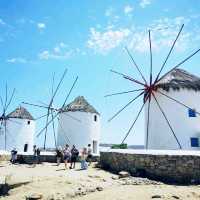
(55,183)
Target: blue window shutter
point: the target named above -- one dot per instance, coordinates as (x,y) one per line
(191,112)
(194,142)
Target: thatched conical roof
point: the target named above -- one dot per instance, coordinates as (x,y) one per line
(179,79)
(20,113)
(80,104)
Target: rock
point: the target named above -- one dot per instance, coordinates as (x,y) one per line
(175,197)
(115,177)
(77,193)
(80,193)
(99,188)
(156,197)
(4,187)
(89,190)
(51,197)
(124,174)
(34,197)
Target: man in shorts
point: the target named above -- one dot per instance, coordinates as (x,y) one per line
(89,153)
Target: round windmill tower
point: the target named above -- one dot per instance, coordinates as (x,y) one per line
(184,129)
(20,129)
(83,131)
(170,101)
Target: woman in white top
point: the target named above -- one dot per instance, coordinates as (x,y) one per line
(66,155)
(84,164)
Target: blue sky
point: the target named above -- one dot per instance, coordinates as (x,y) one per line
(38,38)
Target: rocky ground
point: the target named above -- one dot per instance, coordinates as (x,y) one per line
(50,182)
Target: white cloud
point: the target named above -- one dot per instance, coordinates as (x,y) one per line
(57,49)
(2,22)
(128,9)
(103,42)
(144,3)
(60,52)
(41,26)
(44,55)
(62,44)
(163,33)
(109,12)
(16,60)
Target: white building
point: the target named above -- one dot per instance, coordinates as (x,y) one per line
(79,125)
(20,129)
(185,122)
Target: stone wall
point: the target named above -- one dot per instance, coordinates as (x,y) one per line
(168,168)
(4,157)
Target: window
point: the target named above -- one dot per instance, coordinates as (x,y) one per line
(95,118)
(194,142)
(94,146)
(28,122)
(25,147)
(191,112)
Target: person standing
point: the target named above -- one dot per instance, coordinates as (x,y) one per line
(38,155)
(34,155)
(13,156)
(59,155)
(84,164)
(89,154)
(74,156)
(66,155)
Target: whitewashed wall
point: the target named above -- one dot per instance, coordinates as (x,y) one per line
(19,133)
(79,133)
(185,127)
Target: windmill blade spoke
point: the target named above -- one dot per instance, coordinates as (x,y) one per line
(72,117)
(64,132)
(164,115)
(2,104)
(70,91)
(10,100)
(135,64)
(148,117)
(126,92)
(177,101)
(150,49)
(39,106)
(49,122)
(130,102)
(170,51)
(6,98)
(179,64)
(133,123)
(5,130)
(44,104)
(52,87)
(45,134)
(53,126)
(40,117)
(128,77)
(58,86)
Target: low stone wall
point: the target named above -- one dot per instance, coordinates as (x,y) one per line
(5,157)
(183,168)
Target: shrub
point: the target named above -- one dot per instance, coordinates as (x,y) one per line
(119,146)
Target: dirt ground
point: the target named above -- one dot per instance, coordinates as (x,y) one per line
(55,183)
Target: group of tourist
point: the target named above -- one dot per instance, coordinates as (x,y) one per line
(67,154)
(70,155)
